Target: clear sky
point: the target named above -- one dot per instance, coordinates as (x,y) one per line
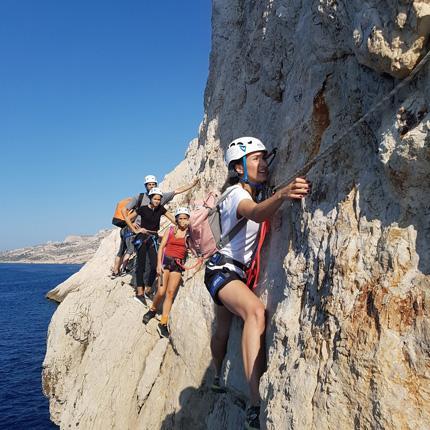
(94,94)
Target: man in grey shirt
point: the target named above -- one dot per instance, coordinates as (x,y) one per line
(150,183)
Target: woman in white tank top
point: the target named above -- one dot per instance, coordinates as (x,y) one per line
(225,271)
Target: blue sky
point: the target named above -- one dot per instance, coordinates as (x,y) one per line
(93,96)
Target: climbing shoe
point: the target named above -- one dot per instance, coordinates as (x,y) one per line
(252,419)
(163,331)
(148,316)
(141,299)
(216,385)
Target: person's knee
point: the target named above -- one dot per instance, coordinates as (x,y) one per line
(170,293)
(258,313)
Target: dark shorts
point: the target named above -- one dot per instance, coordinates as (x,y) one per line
(126,244)
(170,264)
(215,279)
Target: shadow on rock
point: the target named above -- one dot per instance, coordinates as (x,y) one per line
(202,409)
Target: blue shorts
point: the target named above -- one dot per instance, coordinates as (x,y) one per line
(216,279)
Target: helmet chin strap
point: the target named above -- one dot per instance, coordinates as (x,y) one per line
(245,179)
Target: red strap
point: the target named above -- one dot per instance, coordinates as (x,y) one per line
(253,272)
(198,263)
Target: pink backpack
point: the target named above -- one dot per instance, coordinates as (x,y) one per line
(204,228)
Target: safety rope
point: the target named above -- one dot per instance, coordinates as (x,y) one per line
(253,272)
(200,260)
(335,145)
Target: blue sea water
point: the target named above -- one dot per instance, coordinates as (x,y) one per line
(24,318)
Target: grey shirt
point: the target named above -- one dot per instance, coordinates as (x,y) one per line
(166,198)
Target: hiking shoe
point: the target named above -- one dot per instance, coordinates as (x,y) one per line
(162,329)
(148,294)
(216,386)
(113,275)
(148,316)
(141,300)
(252,420)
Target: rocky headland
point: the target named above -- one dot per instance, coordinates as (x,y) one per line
(346,274)
(73,250)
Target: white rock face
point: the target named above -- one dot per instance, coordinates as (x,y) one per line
(97,332)
(346,273)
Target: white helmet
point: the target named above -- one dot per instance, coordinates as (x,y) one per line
(241,147)
(182,210)
(150,178)
(155,190)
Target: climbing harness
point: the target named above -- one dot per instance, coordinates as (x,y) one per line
(139,241)
(335,145)
(127,233)
(251,270)
(155,242)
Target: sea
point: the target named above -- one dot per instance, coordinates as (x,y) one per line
(25,314)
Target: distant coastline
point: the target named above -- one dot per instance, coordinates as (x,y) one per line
(73,250)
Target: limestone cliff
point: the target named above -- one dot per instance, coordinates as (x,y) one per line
(73,250)
(346,273)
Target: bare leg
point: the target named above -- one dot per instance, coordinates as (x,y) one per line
(172,285)
(125,261)
(219,340)
(116,265)
(237,298)
(161,290)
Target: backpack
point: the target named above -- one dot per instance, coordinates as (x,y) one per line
(118,219)
(204,227)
